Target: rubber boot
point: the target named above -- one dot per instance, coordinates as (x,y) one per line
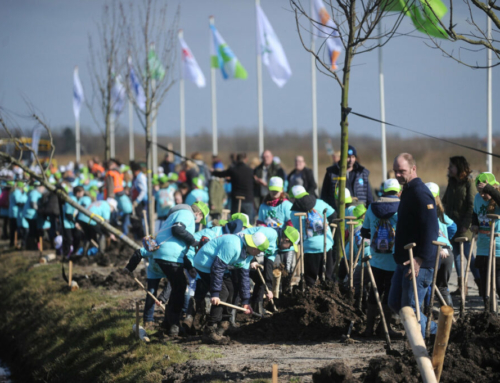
(187,323)
(222,327)
(458,290)
(260,307)
(174,327)
(393,334)
(210,336)
(371,314)
(447,298)
(232,319)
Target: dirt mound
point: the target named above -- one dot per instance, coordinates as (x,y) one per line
(321,313)
(390,369)
(474,350)
(116,280)
(335,372)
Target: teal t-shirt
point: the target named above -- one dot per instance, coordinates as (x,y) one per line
(153,271)
(124,205)
(34,198)
(443,230)
(228,248)
(69,211)
(210,233)
(275,216)
(383,261)
(197,195)
(357,243)
(100,208)
(16,197)
(85,202)
(483,239)
(164,201)
(313,232)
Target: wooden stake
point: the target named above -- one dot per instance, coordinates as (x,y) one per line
(442,337)
(325,228)
(15,239)
(410,247)
(433,289)
(473,242)
(461,241)
(240,198)
(151,295)
(137,320)
(275,373)
(41,244)
(267,289)
(360,306)
(351,253)
(225,214)
(302,281)
(70,273)
(414,335)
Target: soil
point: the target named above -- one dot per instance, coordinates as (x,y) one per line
(320,313)
(116,280)
(335,372)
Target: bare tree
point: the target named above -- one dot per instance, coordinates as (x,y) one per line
(104,66)
(151,41)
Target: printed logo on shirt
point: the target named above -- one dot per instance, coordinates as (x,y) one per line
(430,206)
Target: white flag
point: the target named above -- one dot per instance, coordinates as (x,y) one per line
(35,140)
(190,68)
(78,97)
(117,96)
(137,89)
(273,55)
(326,28)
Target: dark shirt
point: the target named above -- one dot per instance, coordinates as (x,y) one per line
(304,178)
(417,222)
(242,181)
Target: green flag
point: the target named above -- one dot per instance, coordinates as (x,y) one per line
(156,69)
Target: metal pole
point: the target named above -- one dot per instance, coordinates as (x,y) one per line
(130,130)
(77,139)
(215,149)
(154,130)
(182,107)
(259,95)
(382,108)
(112,136)
(314,105)
(489,159)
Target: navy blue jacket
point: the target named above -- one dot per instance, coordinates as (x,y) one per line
(217,272)
(357,183)
(417,222)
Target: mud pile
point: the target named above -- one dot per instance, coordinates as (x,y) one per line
(321,313)
(335,372)
(116,280)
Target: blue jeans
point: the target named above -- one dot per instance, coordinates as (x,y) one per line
(456,253)
(401,293)
(149,306)
(125,223)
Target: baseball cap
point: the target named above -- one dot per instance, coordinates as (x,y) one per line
(351,151)
(392,184)
(218,166)
(434,188)
(486,177)
(276,184)
(174,177)
(299,191)
(293,235)
(243,218)
(163,179)
(257,240)
(348,198)
(198,182)
(204,209)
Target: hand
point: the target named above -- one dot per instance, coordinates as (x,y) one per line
(474,229)
(270,295)
(416,263)
(444,253)
(215,301)
(112,237)
(480,187)
(254,265)
(248,309)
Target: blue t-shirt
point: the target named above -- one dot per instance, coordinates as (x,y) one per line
(34,198)
(164,201)
(100,208)
(275,216)
(153,270)
(313,232)
(443,230)
(197,195)
(85,202)
(271,235)
(229,248)
(483,238)
(17,196)
(124,205)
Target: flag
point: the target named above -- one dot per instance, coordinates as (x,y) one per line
(117,96)
(327,29)
(223,57)
(78,97)
(190,68)
(35,140)
(156,69)
(422,13)
(273,55)
(137,89)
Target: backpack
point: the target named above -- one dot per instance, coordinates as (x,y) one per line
(384,237)
(314,224)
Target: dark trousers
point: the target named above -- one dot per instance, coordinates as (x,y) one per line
(175,275)
(482,266)
(71,237)
(259,289)
(149,306)
(32,234)
(13,229)
(383,281)
(313,266)
(5,228)
(227,291)
(443,276)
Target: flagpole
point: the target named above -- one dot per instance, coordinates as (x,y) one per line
(260,104)
(382,108)
(314,104)
(77,138)
(214,103)
(489,158)
(130,130)
(182,106)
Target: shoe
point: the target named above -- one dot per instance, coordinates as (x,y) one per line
(174,331)
(223,327)
(371,314)
(458,291)
(149,326)
(393,334)
(187,323)
(210,336)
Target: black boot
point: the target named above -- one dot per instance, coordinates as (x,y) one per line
(211,336)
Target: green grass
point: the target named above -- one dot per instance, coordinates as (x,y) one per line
(57,336)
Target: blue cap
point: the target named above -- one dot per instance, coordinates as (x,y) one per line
(219,166)
(352,151)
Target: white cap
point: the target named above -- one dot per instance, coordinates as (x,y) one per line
(392,184)
(299,191)
(276,184)
(160,170)
(434,188)
(112,202)
(62,169)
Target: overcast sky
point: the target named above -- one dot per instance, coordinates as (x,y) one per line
(42,40)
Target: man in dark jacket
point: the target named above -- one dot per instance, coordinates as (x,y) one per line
(262,174)
(302,176)
(356,181)
(417,223)
(242,183)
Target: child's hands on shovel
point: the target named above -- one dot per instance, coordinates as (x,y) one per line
(248,308)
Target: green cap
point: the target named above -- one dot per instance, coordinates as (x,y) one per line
(348,197)
(293,235)
(299,191)
(174,177)
(10,183)
(358,212)
(163,179)
(434,188)
(257,240)
(198,182)
(20,184)
(222,222)
(486,177)
(204,209)
(243,218)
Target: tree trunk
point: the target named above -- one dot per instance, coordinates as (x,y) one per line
(150,111)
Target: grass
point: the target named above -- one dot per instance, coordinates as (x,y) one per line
(49,334)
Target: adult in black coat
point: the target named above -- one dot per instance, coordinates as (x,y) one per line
(302,176)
